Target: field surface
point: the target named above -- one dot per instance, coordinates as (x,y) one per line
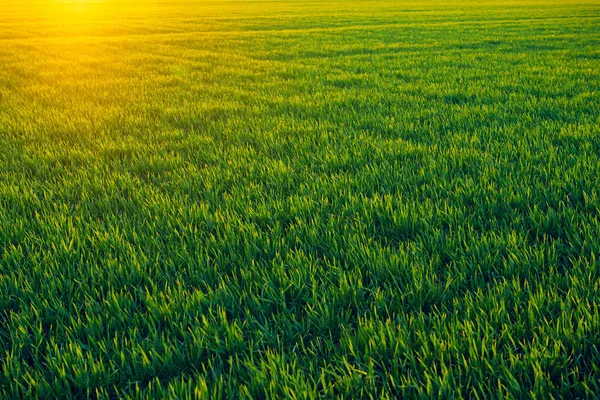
(299,199)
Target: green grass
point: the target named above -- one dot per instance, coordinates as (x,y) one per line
(353,199)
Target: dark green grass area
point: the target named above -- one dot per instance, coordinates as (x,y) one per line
(300,200)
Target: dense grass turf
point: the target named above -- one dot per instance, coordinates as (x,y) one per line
(299,199)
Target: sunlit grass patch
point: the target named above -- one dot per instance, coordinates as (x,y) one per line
(299,199)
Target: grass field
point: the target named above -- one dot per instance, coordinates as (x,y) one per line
(299,199)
